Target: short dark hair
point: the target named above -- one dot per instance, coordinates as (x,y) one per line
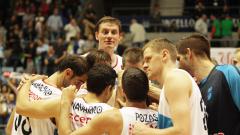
(133,55)
(109,19)
(198,43)
(159,44)
(99,77)
(78,65)
(98,56)
(135,84)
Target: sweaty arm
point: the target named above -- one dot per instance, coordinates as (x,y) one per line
(40,109)
(178,99)
(109,122)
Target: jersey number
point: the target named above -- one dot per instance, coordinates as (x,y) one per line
(21,121)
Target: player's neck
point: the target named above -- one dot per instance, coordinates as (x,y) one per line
(202,69)
(136,104)
(92,98)
(52,80)
(166,69)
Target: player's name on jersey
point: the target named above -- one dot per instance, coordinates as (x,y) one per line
(146,117)
(87,109)
(42,88)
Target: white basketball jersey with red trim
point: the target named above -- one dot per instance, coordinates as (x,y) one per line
(29,126)
(82,112)
(197,108)
(131,115)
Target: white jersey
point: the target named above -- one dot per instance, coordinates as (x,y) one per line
(131,115)
(118,65)
(29,126)
(197,108)
(82,112)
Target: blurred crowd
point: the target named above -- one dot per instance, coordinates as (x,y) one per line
(39,33)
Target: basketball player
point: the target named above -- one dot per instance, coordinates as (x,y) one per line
(72,70)
(219,84)
(108,34)
(133,57)
(181,108)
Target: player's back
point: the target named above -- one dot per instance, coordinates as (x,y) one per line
(82,112)
(131,115)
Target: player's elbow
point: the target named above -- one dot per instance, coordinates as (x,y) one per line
(21,109)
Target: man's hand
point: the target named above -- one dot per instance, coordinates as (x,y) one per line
(154,106)
(32,78)
(69,92)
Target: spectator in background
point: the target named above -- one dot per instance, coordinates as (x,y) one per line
(29,16)
(90,43)
(215,31)
(44,8)
(41,52)
(3,32)
(138,33)
(227,30)
(89,20)
(72,46)
(199,9)
(55,24)
(236,58)
(201,25)
(155,10)
(226,9)
(71,29)
(50,61)
(29,57)
(81,44)
(60,50)
(14,44)
(39,20)
(29,33)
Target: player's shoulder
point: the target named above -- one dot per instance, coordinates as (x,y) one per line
(177,74)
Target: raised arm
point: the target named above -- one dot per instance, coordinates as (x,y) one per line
(40,109)
(64,128)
